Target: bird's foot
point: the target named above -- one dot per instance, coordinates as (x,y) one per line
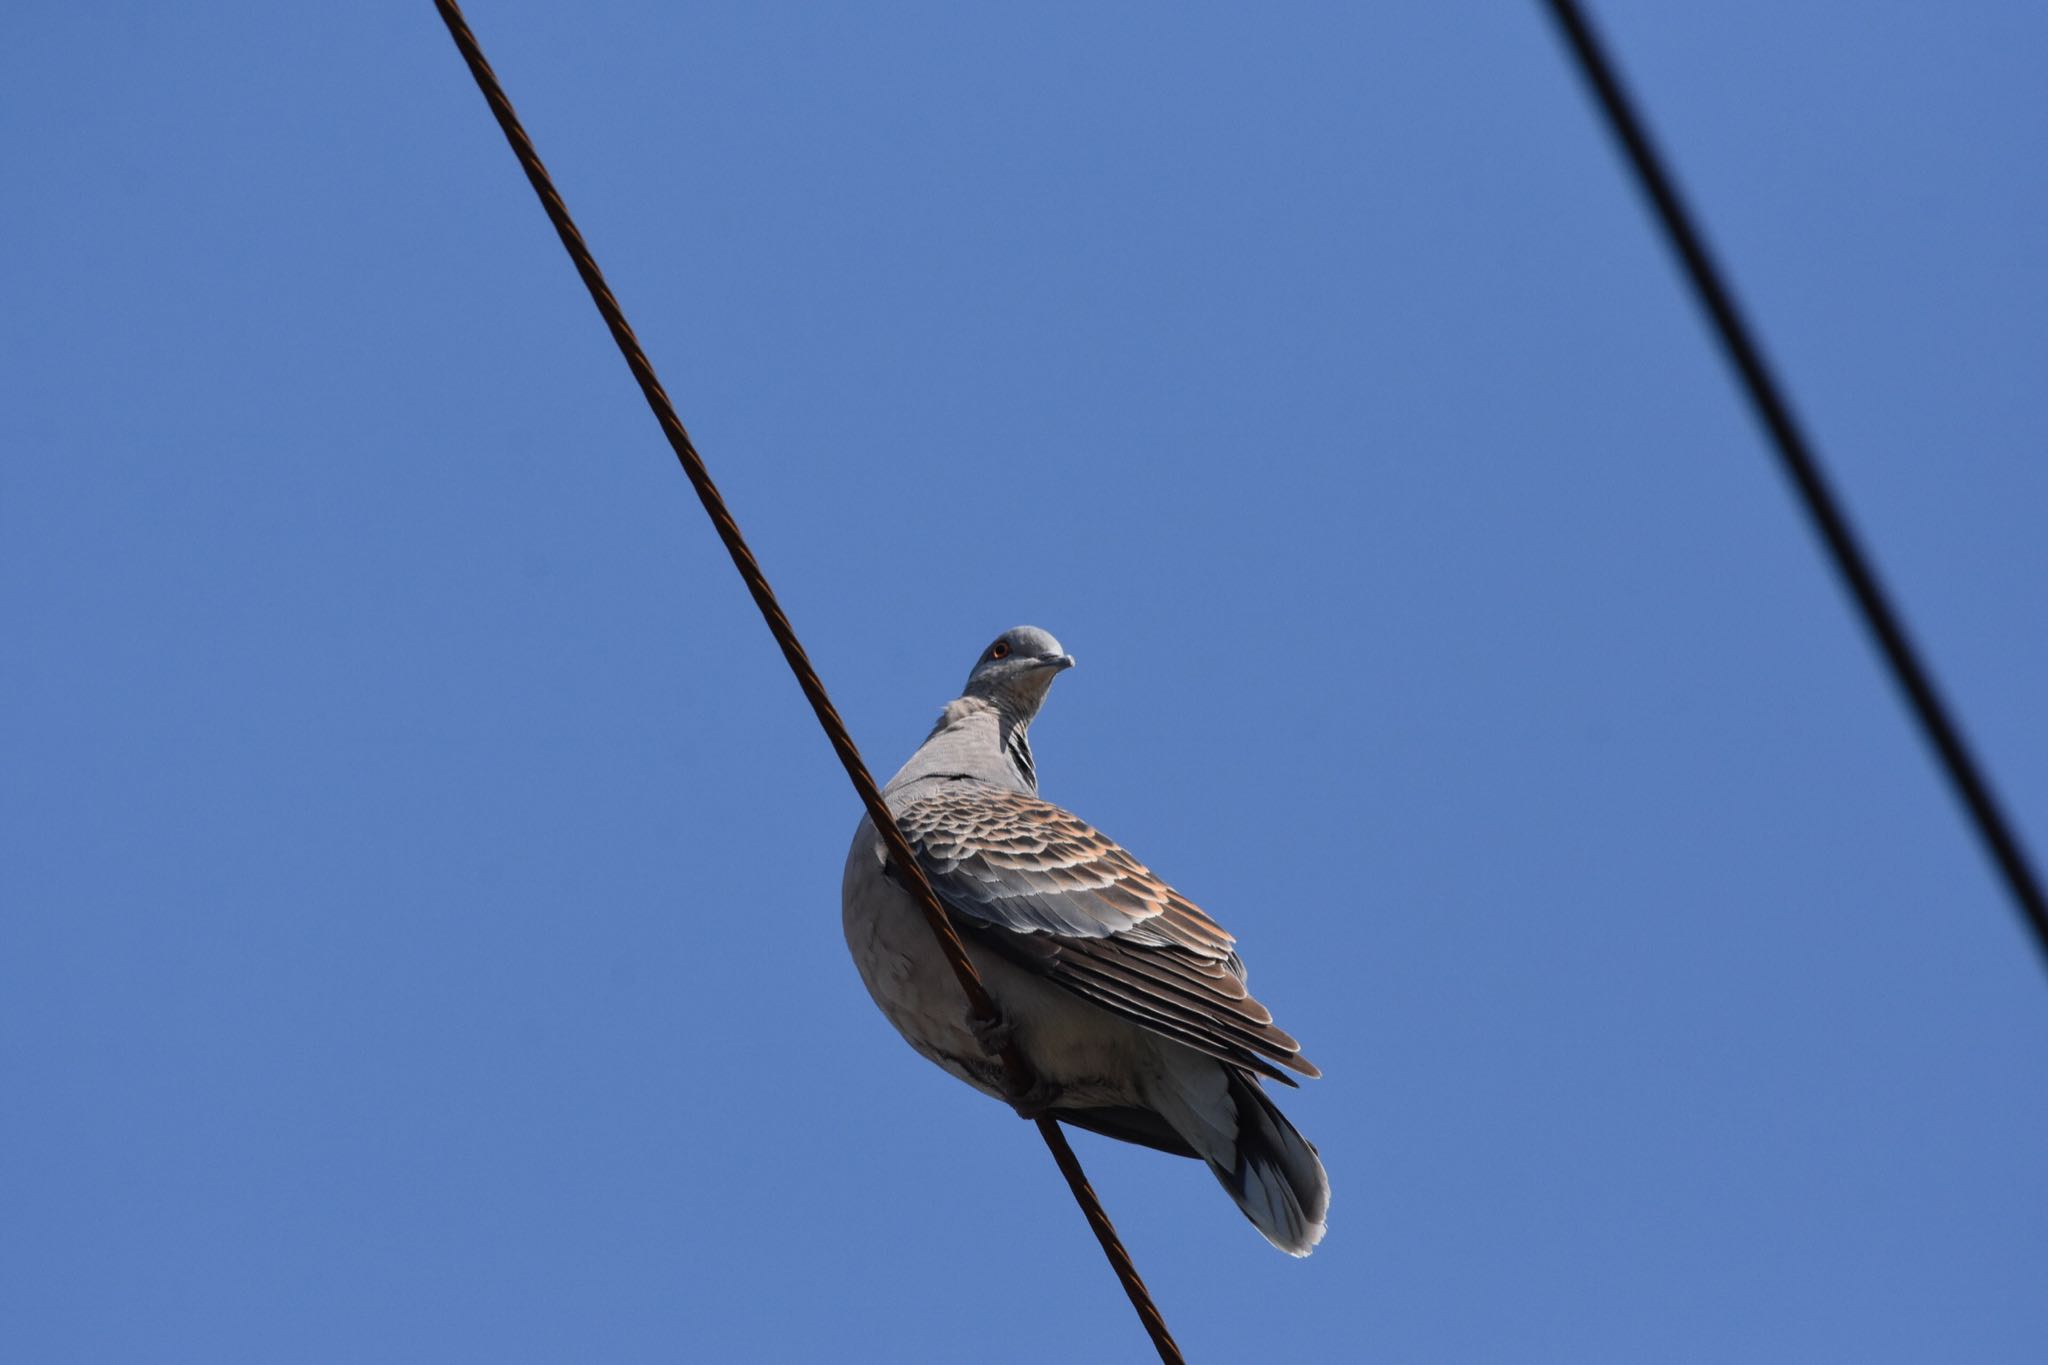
(996,1036)
(1036,1102)
(993,1034)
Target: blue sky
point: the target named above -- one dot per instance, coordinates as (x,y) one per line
(421,875)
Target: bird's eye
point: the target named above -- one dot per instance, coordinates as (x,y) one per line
(999,650)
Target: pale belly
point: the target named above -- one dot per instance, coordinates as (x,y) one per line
(1094,1056)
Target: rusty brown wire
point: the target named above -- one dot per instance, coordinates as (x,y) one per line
(981,1008)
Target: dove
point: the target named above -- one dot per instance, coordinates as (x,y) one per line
(1128,1001)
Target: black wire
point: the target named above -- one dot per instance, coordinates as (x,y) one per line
(1800,464)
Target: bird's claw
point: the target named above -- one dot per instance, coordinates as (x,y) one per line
(993,1033)
(1036,1102)
(995,1036)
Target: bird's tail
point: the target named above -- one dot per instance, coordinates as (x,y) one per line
(1271,1170)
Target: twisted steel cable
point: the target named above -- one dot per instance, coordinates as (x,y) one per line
(981,1008)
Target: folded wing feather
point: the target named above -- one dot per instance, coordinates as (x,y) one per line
(1050,892)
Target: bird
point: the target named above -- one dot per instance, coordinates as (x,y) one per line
(1126,999)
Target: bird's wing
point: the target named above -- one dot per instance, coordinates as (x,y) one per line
(1050,892)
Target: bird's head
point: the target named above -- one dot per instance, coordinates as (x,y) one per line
(1017,668)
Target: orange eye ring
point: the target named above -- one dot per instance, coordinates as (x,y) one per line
(999,650)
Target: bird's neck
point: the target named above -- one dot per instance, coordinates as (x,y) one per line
(1017,749)
(977,738)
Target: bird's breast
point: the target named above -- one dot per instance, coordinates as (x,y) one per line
(1067,1040)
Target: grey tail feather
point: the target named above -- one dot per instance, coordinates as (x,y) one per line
(1278,1180)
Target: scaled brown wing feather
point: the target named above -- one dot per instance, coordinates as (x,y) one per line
(1052,893)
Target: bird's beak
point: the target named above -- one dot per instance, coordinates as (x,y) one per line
(1056,662)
